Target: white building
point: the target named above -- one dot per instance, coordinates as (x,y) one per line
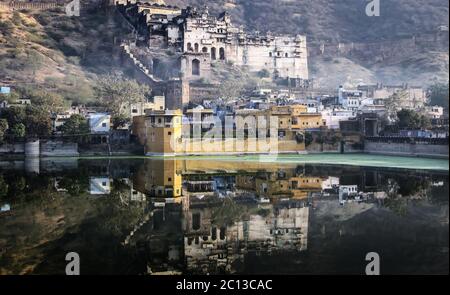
(434,112)
(139,108)
(350,99)
(332,117)
(330,183)
(99,186)
(99,122)
(347,193)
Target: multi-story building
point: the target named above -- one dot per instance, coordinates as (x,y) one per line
(166,133)
(203,39)
(408,97)
(332,117)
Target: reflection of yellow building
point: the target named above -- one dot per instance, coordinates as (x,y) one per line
(160,179)
(164,178)
(293,186)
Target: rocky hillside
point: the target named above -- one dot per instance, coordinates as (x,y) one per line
(64,54)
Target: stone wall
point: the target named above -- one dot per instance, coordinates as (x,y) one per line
(48,148)
(406,149)
(140,72)
(383,49)
(31,5)
(8,149)
(59,149)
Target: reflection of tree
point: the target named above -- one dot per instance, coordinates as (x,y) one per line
(3,187)
(401,189)
(118,217)
(75,183)
(397,205)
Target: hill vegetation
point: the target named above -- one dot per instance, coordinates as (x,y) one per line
(48,50)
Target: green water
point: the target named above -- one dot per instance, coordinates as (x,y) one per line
(363,160)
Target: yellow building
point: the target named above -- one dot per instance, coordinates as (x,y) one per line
(297,117)
(163,133)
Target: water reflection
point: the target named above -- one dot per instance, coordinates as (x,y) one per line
(157,216)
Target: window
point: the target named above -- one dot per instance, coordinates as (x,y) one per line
(213,234)
(222,233)
(196,221)
(196,67)
(103,124)
(169,179)
(169,133)
(134,111)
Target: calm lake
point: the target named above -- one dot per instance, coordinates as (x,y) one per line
(231,215)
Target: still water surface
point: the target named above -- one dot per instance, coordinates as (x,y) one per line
(221,216)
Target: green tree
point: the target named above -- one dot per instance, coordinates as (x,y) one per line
(409,119)
(308,138)
(14,115)
(10,97)
(75,125)
(439,94)
(117,92)
(3,127)
(48,101)
(120,121)
(38,122)
(18,130)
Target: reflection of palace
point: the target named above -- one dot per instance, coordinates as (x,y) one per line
(224,212)
(230,210)
(210,248)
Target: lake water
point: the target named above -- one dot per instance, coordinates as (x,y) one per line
(231,215)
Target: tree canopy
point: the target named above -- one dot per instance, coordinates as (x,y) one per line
(75,125)
(439,94)
(117,92)
(409,119)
